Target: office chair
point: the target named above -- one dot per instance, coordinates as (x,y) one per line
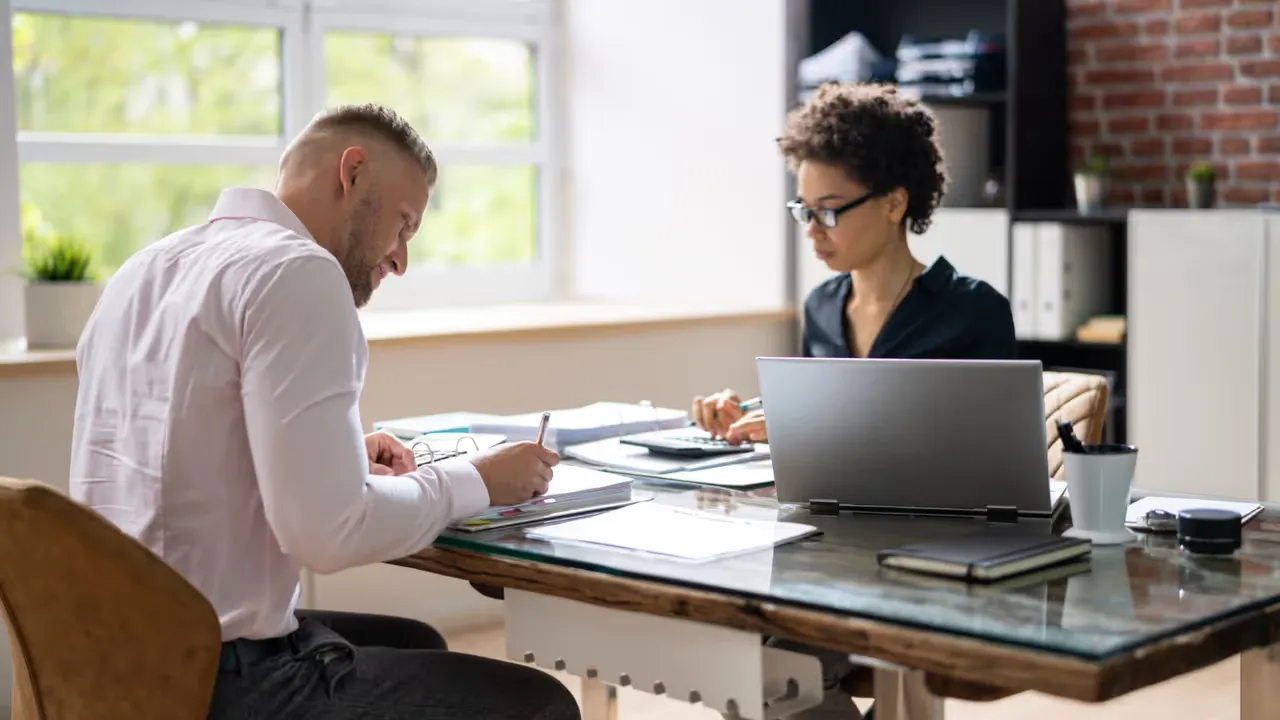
(1078,397)
(99,626)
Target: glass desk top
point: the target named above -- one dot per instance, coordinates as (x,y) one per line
(1129,595)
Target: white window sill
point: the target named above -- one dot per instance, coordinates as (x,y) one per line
(413,327)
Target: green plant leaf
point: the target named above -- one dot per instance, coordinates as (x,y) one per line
(1201,171)
(48,256)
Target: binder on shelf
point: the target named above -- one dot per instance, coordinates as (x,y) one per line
(1061,278)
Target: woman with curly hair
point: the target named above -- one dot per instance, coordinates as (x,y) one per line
(868,169)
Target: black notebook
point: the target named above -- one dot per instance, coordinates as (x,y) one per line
(985,557)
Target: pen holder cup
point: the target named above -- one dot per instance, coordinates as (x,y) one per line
(1098,485)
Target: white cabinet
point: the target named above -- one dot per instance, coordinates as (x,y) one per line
(1196,334)
(1271,365)
(975,240)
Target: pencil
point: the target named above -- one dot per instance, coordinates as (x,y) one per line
(542,426)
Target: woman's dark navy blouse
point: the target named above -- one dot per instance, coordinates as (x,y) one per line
(945,315)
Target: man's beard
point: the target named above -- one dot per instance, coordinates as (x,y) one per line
(355,263)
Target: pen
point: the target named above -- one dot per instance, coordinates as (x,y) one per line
(542,426)
(752,404)
(1070,442)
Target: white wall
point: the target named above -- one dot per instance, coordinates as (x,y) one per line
(675,181)
(664,364)
(10,244)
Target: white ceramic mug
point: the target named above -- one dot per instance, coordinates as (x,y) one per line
(1098,485)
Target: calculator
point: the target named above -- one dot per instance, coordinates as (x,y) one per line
(685,442)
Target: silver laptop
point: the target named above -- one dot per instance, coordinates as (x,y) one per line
(951,436)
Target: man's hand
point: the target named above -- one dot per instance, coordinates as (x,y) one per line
(387,455)
(515,473)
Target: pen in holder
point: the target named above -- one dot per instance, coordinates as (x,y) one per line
(1099,478)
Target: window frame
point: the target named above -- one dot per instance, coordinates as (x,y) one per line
(302,25)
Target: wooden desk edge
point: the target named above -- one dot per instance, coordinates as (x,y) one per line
(956,661)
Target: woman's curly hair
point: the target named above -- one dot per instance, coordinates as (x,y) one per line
(880,138)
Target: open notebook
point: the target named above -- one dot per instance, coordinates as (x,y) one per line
(573,490)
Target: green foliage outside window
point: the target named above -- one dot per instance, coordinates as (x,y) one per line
(78,74)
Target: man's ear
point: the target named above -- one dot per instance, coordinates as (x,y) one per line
(897,205)
(352,169)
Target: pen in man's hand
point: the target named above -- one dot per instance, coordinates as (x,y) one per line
(542,426)
(752,404)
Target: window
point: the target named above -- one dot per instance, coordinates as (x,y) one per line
(132,117)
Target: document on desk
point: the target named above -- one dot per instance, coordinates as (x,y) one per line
(1134,516)
(738,476)
(573,426)
(612,455)
(572,491)
(674,532)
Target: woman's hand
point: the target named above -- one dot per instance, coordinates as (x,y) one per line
(716,413)
(748,428)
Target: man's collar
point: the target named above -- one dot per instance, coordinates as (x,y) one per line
(243,202)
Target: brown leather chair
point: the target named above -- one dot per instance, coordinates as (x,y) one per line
(1080,398)
(99,626)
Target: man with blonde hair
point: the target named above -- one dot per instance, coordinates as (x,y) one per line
(217,423)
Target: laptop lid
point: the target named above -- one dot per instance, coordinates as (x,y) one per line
(918,435)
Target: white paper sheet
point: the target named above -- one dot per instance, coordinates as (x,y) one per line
(1134,515)
(673,531)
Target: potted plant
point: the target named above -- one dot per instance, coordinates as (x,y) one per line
(61,289)
(1091,184)
(1200,185)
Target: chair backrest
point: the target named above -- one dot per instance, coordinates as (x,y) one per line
(1080,398)
(99,626)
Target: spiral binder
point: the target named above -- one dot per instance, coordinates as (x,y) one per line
(424,454)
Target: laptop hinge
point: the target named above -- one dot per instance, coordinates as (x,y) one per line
(1002,514)
(824,507)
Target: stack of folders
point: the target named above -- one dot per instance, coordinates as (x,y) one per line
(986,556)
(570,426)
(573,491)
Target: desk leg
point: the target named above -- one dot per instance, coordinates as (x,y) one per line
(1260,683)
(902,695)
(599,701)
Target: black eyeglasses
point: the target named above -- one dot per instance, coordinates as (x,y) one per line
(826,216)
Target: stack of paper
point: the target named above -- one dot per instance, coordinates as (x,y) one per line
(739,476)
(586,424)
(573,490)
(674,532)
(412,427)
(612,455)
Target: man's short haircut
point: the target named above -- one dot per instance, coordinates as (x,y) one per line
(384,122)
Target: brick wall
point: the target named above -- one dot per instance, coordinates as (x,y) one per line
(1159,84)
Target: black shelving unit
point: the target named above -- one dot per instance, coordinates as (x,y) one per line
(1029,117)
(1110,359)
(1029,143)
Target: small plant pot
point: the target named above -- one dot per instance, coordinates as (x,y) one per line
(56,312)
(1200,193)
(1091,192)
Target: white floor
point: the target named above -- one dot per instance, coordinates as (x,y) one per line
(1211,694)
